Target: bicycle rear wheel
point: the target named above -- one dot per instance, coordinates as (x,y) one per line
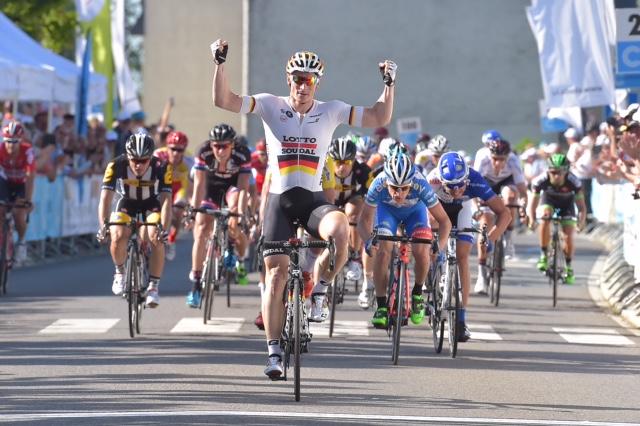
(453,308)
(142,278)
(399,303)
(496,276)
(297,342)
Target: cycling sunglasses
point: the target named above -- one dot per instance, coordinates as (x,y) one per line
(397,188)
(456,186)
(139,160)
(300,79)
(221,145)
(344,162)
(177,149)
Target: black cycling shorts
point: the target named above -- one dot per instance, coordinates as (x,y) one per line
(295,204)
(217,189)
(134,207)
(497,187)
(10,192)
(566,206)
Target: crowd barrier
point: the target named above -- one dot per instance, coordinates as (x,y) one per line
(63,208)
(615,206)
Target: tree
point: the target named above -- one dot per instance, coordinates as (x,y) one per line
(51,22)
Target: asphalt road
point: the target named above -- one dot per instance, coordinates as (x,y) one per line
(66,357)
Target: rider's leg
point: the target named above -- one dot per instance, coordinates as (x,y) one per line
(352,210)
(511,197)
(118,248)
(486,219)
(201,230)
(463,248)
(334,224)
(235,232)
(381,271)
(568,231)
(272,303)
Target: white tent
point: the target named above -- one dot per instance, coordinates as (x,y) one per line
(30,72)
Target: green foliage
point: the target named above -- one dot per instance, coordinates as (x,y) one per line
(524,144)
(51,22)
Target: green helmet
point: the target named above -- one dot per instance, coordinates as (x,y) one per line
(558,161)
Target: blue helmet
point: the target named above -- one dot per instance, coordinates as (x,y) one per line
(490,136)
(399,169)
(365,146)
(453,170)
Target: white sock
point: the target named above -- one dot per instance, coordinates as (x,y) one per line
(321,287)
(261,287)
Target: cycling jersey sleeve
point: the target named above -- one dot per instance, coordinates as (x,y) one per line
(243,156)
(514,165)
(479,187)
(347,114)
(109,179)
(329,174)
(574,181)
(255,104)
(199,161)
(374,194)
(426,194)
(540,183)
(166,177)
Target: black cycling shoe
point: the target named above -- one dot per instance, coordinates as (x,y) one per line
(463,332)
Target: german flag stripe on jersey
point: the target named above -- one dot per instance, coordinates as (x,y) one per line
(352,116)
(299,145)
(252,103)
(298,163)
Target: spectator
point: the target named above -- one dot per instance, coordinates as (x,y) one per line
(66,134)
(123,129)
(379,134)
(137,122)
(580,155)
(40,123)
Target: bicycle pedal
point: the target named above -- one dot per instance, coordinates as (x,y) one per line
(280,378)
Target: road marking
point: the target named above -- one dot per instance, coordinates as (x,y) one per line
(215,325)
(593,336)
(303,415)
(80,326)
(483,332)
(340,328)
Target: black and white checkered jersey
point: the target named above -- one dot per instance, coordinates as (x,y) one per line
(119,177)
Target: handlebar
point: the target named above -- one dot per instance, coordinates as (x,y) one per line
(297,243)
(21,205)
(217,213)
(399,239)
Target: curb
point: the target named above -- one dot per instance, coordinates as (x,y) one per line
(616,279)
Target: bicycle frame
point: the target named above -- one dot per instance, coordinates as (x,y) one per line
(295,333)
(556,270)
(6,244)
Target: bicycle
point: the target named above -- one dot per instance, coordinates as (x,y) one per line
(220,260)
(556,268)
(495,264)
(338,290)
(398,293)
(135,270)
(295,333)
(6,242)
(446,294)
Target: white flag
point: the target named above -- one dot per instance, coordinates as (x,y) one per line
(88,9)
(127,91)
(573,44)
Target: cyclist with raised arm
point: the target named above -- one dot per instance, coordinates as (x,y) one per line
(143,185)
(560,189)
(17,179)
(173,154)
(500,167)
(222,171)
(298,131)
(401,194)
(456,185)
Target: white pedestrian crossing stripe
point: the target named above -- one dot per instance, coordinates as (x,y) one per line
(593,336)
(80,326)
(340,328)
(483,332)
(213,326)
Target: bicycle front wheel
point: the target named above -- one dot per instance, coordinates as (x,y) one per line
(496,275)
(132,295)
(453,308)
(338,281)
(435,314)
(554,267)
(297,341)
(399,312)
(4,259)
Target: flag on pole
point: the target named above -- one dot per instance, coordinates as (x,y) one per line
(102,56)
(83,88)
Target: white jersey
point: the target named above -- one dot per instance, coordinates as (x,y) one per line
(511,168)
(297,144)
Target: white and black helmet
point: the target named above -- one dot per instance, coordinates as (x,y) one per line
(438,145)
(399,169)
(343,149)
(139,145)
(305,62)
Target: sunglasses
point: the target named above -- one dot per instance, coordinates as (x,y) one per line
(498,158)
(177,149)
(299,80)
(11,141)
(555,172)
(139,160)
(344,162)
(397,188)
(221,145)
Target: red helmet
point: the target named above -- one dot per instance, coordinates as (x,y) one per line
(381,132)
(12,132)
(177,139)
(261,146)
